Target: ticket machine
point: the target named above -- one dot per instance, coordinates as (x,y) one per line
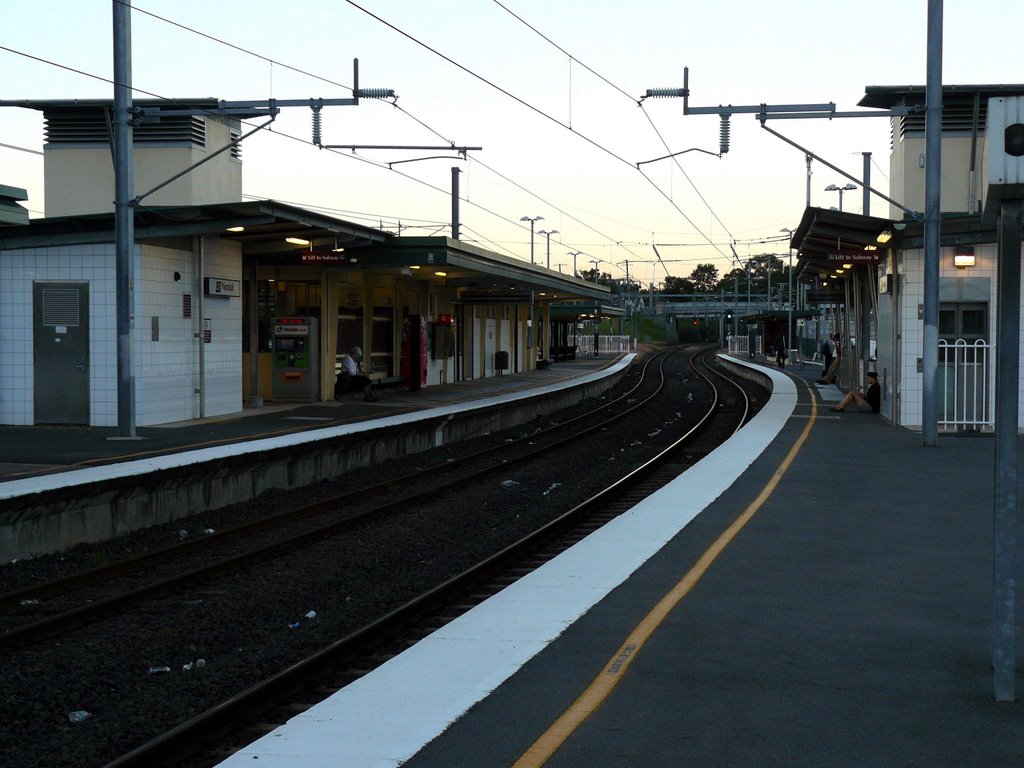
(296,349)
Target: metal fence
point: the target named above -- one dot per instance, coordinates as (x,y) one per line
(607,345)
(964,400)
(740,345)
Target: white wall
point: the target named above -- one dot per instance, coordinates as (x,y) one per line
(911,272)
(18,269)
(165,371)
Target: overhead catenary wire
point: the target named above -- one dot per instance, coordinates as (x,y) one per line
(611,240)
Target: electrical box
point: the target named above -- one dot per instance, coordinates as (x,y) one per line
(1004,152)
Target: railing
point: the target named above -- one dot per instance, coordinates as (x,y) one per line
(607,345)
(740,345)
(964,401)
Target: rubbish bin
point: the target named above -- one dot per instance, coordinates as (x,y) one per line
(501,360)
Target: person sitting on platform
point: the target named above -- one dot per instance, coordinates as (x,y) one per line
(867,402)
(351,376)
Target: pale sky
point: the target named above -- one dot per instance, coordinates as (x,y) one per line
(559,141)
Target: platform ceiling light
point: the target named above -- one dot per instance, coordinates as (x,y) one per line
(296,241)
(884,236)
(963,257)
(441,274)
(414,266)
(236,229)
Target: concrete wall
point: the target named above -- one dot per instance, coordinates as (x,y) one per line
(53,521)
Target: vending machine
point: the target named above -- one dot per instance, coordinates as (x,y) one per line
(296,346)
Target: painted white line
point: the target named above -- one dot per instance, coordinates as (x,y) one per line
(386,717)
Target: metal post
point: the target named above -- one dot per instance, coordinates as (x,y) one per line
(789,321)
(808,181)
(1007,391)
(866,186)
(532,221)
(932,232)
(455,202)
(124,225)
(254,399)
(201,269)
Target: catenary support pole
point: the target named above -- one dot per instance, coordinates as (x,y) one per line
(1007,391)
(932,226)
(124,224)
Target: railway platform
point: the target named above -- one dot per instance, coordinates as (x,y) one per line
(816,592)
(61,486)
(36,450)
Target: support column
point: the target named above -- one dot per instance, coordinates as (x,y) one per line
(1004,581)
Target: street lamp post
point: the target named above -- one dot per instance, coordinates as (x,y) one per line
(595,262)
(840,190)
(532,221)
(574,254)
(549,233)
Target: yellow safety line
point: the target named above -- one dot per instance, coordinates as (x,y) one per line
(602,686)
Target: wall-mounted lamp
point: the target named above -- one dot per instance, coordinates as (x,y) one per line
(884,236)
(963,257)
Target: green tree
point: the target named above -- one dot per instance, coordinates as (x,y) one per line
(704,277)
(678,285)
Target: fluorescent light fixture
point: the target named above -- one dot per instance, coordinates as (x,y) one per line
(236,229)
(414,266)
(884,236)
(963,257)
(441,274)
(296,241)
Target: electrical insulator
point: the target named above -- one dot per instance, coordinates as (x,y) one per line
(723,138)
(663,93)
(316,125)
(375,93)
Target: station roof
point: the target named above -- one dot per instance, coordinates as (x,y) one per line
(826,238)
(262,227)
(483,276)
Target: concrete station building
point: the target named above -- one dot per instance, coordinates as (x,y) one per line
(218,279)
(874,266)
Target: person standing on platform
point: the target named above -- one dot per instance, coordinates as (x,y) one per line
(867,402)
(828,349)
(352,375)
(779,345)
(833,370)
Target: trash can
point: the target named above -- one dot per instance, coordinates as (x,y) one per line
(501,360)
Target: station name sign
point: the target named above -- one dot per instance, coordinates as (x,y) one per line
(854,257)
(222,286)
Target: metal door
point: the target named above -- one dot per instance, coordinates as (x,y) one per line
(60,316)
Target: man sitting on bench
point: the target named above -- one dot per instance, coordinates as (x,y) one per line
(351,377)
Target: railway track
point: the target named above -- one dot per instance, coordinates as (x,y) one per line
(360,650)
(63,605)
